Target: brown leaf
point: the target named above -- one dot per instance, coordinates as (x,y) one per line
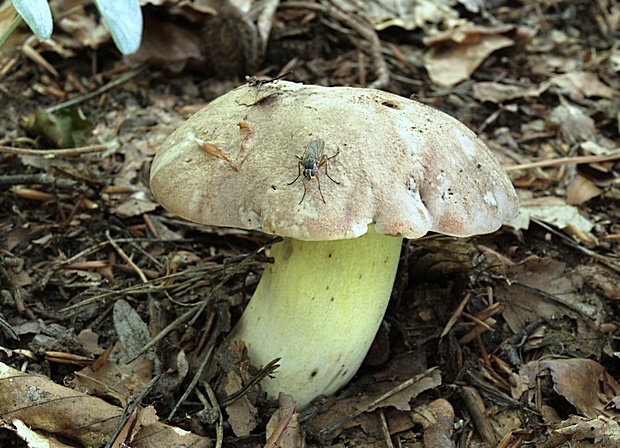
(496,92)
(168,43)
(241,414)
(284,429)
(581,190)
(42,404)
(585,432)
(121,382)
(455,54)
(583,84)
(545,287)
(437,419)
(584,383)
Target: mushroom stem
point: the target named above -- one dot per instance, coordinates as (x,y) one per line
(318,308)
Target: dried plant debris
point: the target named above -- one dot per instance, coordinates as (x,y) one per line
(42,404)
(113,311)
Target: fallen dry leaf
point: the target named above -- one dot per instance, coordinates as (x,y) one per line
(342,409)
(122,382)
(284,429)
(169,44)
(585,432)
(574,125)
(455,54)
(496,92)
(215,151)
(42,404)
(547,288)
(32,438)
(584,383)
(581,190)
(583,84)
(426,14)
(553,211)
(437,419)
(602,279)
(242,413)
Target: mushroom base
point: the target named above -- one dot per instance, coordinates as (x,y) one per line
(318,308)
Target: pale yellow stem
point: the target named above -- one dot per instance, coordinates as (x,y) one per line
(318,308)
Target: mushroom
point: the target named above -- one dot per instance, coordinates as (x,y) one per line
(403,169)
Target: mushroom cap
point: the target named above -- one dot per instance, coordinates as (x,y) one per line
(405,167)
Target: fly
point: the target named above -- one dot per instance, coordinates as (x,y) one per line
(254,81)
(310,163)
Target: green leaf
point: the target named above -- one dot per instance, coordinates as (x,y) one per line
(38,16)
(67,129)
(124,20)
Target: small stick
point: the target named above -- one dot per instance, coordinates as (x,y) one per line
(478,413)
(41,178)
(130,409)
(126,257)
(385,429)
(193,382)
(219,429)
(564,161)
(112,84)
(272,442)
(53,152)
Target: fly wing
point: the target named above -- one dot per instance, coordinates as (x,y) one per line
(314,150)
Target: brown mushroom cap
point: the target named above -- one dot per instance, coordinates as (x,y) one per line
(403,166)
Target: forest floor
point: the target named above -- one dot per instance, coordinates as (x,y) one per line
(509,339)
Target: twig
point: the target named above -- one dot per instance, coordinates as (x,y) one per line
(126,257)
(112,84)
(607,261)
(103,244)
(385,430)
(229,275)
(509,347)
(169,328)
(219,430)
(581,308)
(197,309)
(564,161)
(53,152)
(477,410)
(272,442)
(193,383)
(40,178)
(130,409)
(456,315)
